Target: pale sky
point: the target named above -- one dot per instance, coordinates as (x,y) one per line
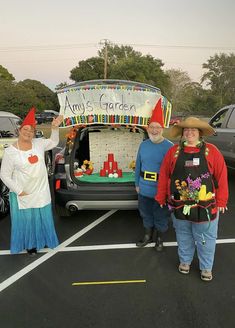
(44,40)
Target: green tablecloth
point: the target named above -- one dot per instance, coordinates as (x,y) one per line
(96,178)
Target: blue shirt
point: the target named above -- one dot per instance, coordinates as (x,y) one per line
(149,158)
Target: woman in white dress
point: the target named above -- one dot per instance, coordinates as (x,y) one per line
(24,172)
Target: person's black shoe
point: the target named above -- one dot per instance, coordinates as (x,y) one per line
(158,238)
(146,239)
(32,251)
(159,244)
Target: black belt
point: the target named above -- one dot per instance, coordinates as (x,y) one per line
(150,176)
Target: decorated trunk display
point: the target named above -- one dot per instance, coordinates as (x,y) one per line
(112,154)
(113,116)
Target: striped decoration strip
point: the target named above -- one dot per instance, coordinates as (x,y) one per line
(110,87)
(106,119)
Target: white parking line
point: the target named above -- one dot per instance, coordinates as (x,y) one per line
(6,283)
(63,247)
(112,246)
(107,247)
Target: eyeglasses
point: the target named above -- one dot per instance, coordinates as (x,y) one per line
(155,128)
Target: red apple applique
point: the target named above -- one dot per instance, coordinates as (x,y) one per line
(33,159)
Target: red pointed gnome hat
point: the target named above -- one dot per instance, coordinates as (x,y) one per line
(157,114)
(30,118)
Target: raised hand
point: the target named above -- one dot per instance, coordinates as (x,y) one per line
(57,121)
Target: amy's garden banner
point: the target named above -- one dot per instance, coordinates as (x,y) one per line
(110,104)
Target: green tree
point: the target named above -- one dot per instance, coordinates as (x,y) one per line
(89,69)
(204,102)
(46,98)
(181,91)
(5,75)
(16,98)
(123,63)
(117,53)
(144,69)
(220,77)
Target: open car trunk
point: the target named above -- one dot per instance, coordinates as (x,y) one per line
(96,143)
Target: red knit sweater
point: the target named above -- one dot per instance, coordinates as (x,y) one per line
(216,165)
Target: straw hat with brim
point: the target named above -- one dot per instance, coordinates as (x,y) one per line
(191,122)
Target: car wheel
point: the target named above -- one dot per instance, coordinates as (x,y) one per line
(4,200)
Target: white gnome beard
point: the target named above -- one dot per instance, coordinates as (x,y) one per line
(155,138)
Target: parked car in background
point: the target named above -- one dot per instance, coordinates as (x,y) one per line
(46,116)
(9,124)
(224,124)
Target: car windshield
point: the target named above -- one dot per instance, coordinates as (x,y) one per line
(7,128)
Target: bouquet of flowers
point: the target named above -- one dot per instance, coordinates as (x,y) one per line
(190,189)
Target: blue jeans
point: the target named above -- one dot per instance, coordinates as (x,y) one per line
(200,236)
(152,214)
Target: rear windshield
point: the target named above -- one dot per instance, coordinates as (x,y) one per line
(8,127)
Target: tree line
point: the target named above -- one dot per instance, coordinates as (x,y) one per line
(215,90)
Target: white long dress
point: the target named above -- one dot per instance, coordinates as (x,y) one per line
(31,215)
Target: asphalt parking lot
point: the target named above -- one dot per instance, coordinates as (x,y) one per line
(96,277)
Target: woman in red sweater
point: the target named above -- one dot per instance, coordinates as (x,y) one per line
(193,180)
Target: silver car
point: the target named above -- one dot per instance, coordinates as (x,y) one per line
(224,138)
(8,133)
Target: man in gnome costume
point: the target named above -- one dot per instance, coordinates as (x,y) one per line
(149,158)
(23,170)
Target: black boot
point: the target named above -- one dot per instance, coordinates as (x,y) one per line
(159,241)
(146,239)
(32,251)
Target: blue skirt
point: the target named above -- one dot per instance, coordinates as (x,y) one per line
(31,228)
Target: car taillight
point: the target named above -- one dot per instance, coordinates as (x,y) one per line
(59,158)
(57,184)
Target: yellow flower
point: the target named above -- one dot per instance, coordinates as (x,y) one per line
(202,193)
(209,195)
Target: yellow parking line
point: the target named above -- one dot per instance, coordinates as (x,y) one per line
(111,282)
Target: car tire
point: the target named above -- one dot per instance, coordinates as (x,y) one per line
(4,200)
